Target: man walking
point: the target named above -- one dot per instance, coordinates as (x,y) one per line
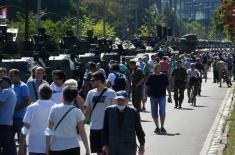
(116,80)
(121,126)
(98,99)
(137,80)
(7,106)
(22,93)
(57,85)
(157,84)
(179,76)
(35,123)
(34,84)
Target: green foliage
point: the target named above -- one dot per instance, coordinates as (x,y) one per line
(144,31)
(124,18)
(97,27)
(20,24)
(195,28)
(219,28)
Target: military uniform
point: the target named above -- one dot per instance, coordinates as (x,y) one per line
(137,76)
(179,82)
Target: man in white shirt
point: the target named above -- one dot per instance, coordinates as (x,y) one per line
(111,80)
(193,75)
(57,85)
(103,98)
(36,121)
(152,62)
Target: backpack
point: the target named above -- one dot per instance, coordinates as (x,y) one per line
(119,82)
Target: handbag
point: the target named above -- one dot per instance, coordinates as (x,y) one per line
(88,119)
(63,118)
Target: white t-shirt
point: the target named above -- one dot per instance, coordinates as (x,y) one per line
(37,116)
(57,93)
(193,73)
(112,77)
(97,117)
(65,137)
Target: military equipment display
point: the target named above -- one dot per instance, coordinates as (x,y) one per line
(72,52)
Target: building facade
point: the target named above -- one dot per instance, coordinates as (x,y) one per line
(196,10)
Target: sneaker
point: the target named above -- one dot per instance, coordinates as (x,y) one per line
(176,107)
(180,107)
(163,130)
(157,131)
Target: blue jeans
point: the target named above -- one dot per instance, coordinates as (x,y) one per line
(158,105)
(16,129)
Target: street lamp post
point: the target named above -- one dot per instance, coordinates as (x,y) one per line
(39,6)
(78,18)
(104,18)
(136,19)
(27,6)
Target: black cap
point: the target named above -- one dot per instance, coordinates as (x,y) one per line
(5,78)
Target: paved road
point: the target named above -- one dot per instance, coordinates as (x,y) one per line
(187,128)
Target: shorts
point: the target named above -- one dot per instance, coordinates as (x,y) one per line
(72,151)
(158,103)
(96,141)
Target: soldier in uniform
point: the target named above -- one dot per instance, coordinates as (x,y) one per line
(137,80)
(179,76)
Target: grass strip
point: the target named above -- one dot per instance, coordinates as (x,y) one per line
(230,150)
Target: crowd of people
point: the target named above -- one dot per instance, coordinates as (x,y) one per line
(53,117)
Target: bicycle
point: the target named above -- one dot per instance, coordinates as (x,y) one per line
(193,94)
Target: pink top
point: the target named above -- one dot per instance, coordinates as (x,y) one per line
(164,66)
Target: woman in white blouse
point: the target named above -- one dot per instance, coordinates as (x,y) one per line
(65,121)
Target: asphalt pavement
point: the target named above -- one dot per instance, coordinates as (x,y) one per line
(187,127)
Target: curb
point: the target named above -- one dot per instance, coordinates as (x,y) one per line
(216,140)
(224,141)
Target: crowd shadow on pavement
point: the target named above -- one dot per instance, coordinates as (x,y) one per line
(203,96)
(145,112)
(201,106)
(167,134)
(146,121)
(186,109)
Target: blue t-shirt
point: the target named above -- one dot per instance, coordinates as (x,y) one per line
(21,91)
(7,106)
(157,85)
(33,93)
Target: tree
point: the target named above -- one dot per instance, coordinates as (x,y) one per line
(219,25)
(89,24)
(196,28)
(20,24)
(144,31)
